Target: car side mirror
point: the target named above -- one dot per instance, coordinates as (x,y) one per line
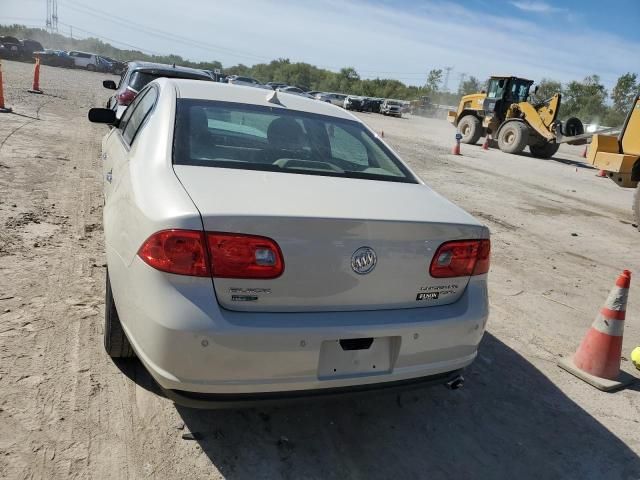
(110,84)
(102,115)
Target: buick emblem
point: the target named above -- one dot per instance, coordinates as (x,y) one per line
(363,260)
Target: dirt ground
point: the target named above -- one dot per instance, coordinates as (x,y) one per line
(560,237)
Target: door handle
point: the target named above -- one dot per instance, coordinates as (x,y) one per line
(109,176)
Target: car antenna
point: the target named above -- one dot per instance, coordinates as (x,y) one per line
(273,98)
(174,65)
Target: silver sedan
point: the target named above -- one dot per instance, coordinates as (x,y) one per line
(263,245)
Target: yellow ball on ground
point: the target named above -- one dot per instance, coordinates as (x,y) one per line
(635,357)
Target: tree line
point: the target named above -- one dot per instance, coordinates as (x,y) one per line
(587,99)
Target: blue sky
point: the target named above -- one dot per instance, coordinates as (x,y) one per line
(403,39)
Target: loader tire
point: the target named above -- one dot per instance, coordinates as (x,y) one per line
(471,129)
(116,342)
(573,127)
(636,206)
(545,150)
(513,137)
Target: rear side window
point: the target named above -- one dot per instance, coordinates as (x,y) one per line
(140,111)
(252,137)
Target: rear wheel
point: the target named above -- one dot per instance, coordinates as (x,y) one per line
(116,342)
(573,127)
(513,137)
(470,128)
(544,150)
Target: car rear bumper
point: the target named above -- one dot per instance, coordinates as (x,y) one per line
(189,344)
(213,401)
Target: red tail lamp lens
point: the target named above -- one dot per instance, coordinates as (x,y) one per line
(244,256)
(176,251)
(461,258)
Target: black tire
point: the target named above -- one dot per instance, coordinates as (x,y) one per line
(636,206)
(116,342)
(544,150)
(470,128)
(573,127)
(513,137)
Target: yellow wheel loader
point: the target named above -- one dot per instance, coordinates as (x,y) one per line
(619,156)
(505,113)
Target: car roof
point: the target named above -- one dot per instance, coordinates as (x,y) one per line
(226,92)
(138,65)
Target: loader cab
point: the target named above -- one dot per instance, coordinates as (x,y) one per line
(504,91)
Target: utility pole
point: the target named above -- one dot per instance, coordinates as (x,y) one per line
(48,21)
(445,87)
(52,16)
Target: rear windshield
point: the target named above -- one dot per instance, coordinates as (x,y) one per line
(251,137)
(140,78)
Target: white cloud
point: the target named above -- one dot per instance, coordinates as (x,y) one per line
(377,39)
(537,7)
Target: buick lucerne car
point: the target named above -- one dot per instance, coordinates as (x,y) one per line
(261,245)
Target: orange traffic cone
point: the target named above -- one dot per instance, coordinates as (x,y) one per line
(485,145)
(36,78)
(584,152)
(597,360)
(456,148)
(3,109)
(601,173)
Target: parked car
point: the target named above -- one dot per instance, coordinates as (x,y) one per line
(117,66)
(323,97)
(336,98)
(55,58)
(246,81)
(372,105)
(296,288)
(353,102)
(295,91)
(103,65)
(391,107)
(88,61)
(10,47)
(27,47)
(276,85)
(138,74)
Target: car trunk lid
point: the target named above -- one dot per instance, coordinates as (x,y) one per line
(330,230)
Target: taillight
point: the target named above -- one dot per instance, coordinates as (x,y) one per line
(224,255)
(126,97)
(244,256)
(461,258)
(176,251)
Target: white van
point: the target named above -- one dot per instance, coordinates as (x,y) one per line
(84,60)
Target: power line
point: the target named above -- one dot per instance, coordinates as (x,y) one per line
(127,23)
(109,17)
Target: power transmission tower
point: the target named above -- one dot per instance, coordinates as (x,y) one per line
(445,87)
(463,76)
(52,16)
